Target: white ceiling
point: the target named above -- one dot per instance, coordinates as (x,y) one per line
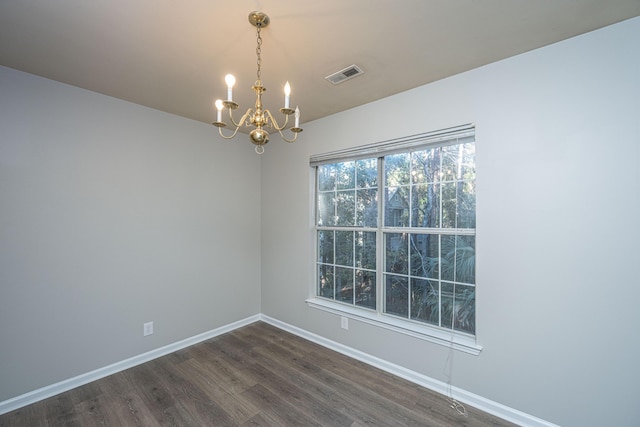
(172,55)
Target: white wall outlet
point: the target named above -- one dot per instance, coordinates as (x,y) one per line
(148,328)
(344,322)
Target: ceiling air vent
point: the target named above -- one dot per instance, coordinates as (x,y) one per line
(345,74)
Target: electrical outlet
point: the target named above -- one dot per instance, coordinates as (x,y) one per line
(344,322)
(148,328)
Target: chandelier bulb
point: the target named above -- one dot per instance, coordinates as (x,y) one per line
(287,94)
(219,108)
(230,81)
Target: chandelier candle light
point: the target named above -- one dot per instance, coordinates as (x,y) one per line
(260,117)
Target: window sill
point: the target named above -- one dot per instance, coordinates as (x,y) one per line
(456,341)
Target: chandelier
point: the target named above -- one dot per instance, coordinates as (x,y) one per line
(257,117)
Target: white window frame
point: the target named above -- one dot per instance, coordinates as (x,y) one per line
(450,338)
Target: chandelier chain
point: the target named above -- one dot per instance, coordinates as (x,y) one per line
(258,52)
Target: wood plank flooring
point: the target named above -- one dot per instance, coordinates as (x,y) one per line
(257,375)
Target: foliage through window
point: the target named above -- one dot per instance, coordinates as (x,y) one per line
(395,233)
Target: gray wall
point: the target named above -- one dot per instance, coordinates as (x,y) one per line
(113,215)
(558,186)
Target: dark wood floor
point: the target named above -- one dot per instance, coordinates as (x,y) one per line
(254,376)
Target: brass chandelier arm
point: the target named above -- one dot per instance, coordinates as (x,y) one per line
(227,137)
(274,122)
(243,119)
(220,125)
(274,125)
(295,136)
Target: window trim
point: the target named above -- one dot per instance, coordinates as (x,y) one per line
(453,339)
(450,338)
(449,136)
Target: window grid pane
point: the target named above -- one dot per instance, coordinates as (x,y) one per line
(435,283)
(347,201)
(428,269)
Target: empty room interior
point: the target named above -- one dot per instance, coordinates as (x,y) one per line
(447,208)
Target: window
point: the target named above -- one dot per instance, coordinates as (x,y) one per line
(395,232)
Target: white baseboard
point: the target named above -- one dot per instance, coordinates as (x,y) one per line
(463,396)
(486,405)
(71,383)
